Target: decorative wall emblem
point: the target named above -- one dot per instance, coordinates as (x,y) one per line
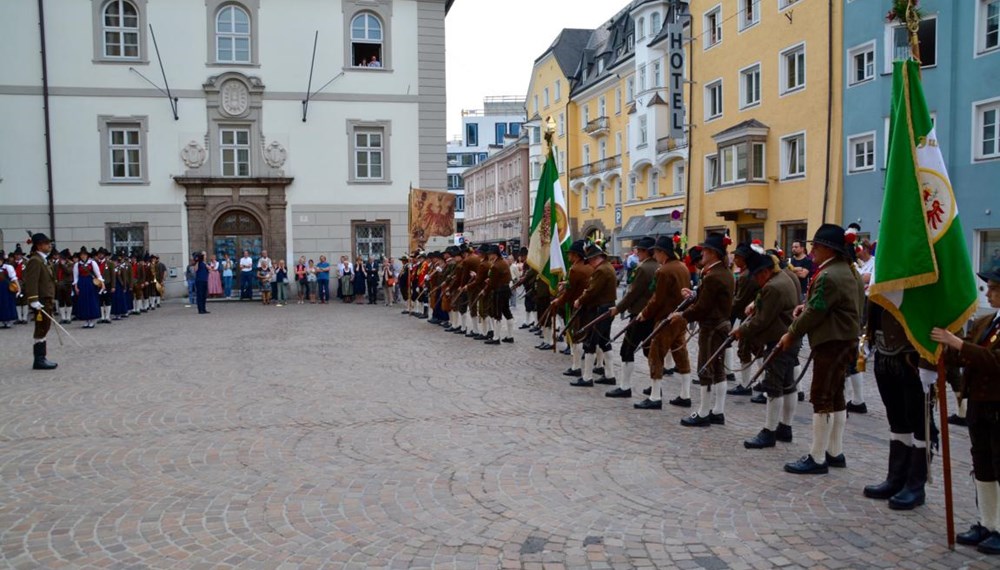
(193,155)
(275,155)
(235,97)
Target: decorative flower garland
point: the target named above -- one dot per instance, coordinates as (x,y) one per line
(898,10)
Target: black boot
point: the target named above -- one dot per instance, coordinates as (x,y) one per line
(899,464)
(912,494)
(41,363)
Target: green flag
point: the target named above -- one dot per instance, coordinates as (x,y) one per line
(549,238)
(923,275)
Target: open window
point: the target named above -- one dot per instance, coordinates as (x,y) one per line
(366,41)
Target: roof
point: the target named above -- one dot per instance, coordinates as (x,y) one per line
(607,46)
(566,48)
(745,125)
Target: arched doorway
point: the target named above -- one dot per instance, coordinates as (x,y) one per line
(235,231)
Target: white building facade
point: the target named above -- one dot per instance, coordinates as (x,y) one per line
(241,158)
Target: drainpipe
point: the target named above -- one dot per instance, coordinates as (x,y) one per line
(829,107)
(45,107)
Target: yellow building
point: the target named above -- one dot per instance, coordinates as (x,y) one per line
(765,142)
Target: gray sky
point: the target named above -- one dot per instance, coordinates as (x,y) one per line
(492,44)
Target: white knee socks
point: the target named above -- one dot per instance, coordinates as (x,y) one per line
(822,426)
(988,497)
(599,358)
(654,390)
(774,406)
(857,390)
(788,405)
(836,445)
(705,405)
(720,399)
(588,366)
(576,353)
(961,407)
(730,360)
(510,328)
(686,386)
(625,378)
(744,374)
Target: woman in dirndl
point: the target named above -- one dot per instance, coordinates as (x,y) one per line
(214,278)
(9,287)
(87,282)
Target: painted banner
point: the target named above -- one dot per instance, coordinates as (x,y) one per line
(430,214)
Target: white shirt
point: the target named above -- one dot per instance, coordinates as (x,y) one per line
(263,262)
(246,264)
(11,274)
(867,268)
(95,271)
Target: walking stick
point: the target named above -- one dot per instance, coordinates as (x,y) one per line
(949,507)
(59,327)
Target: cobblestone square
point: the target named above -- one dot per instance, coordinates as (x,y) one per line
(335,436)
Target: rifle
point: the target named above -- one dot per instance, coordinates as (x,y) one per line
(631,322)
(722,348)
(767,361)
(588,326)
(570,322)
(659,326)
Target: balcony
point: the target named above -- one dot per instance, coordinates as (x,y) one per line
(599,127)
(596,167)
(667,144)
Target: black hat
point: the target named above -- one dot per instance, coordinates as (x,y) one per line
(522,251)
(102,251)
(494,249)
(93,252)
(594,249)
(743,250)
(146,257)
(990,275)
(39,238)
(154,256)
(17,250)
(664,243)
(757,262)
(833,237)
(85,250)
(646,242)
(404,258)
(716,242)
(577,247)
(695,254)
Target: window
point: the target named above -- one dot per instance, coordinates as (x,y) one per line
(602,149)
(618,101)
(618,190)
(472,134)
(367,35)
(562,124)
(536,171)
(757,151)
(640,28)
(630,89)
(793,69)
(782,4)
(618,143)
(602,107)
(742,162)
(792,232)
(130,238)
(545,97)
(370,240)
(642,78)
(455,182)
(749,13)
(987,26)
(898,40)
(862,64)
(713,27)
(642,130)
(536,103)
(713,100)
(234,149)
(657,82)
(501,132)
(119,31)
(514,129)
(601,199)
(793,156)
(750,86)
(987,130)
(460,203)
(369,152)
(631,188)
(232,35)
(558,89)
(861,149)
(536,135)
(711,172)
(654,24)
(366,40)
(586,154)
(654,183)
(679,178)
(585,115)
(123,150)
(586,198)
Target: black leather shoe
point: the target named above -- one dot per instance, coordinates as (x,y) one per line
(839,461)
(433,321)
(524,326)
(508,340)
(783,433)
(730,377)
(766,438)
(647,391)
(404,312)
(421,316)
(648,404)
(492,341)
(42,363)
(694,420)
(449,329)
(533,329)
(802,396)
(739,391)
(758,399)
(574,372)
(458,331)
(717,419)
(618,393)
(955,420)
(807,466)
(670,371)
(991,545)
(479,337)
(581,383)
(599,371)
(544,346)
(606,381)
(908,499)
(680,402)
(976,534)
(861,408)
(567,351)
(471,334)
(489,335)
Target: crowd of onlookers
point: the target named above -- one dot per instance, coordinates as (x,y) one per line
(312,282)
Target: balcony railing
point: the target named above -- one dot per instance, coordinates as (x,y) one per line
(597,167)
(667,144)
(598,127)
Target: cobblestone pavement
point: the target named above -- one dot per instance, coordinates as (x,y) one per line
(353,437)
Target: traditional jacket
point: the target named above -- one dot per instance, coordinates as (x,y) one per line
(671,278)
(499,274)
(772,310)
(746,292)
(641,288)
(715,296)
(37,282)
(579,277)
(980,360)
(833,305)
(602,288)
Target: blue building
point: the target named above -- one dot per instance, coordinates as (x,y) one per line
(960,52)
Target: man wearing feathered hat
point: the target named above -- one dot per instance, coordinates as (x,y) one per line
(643,282)
(579,276)
(746,292)
(831,316)
(598,297)
(40,292)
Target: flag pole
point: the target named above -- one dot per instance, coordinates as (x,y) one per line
(912,23)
